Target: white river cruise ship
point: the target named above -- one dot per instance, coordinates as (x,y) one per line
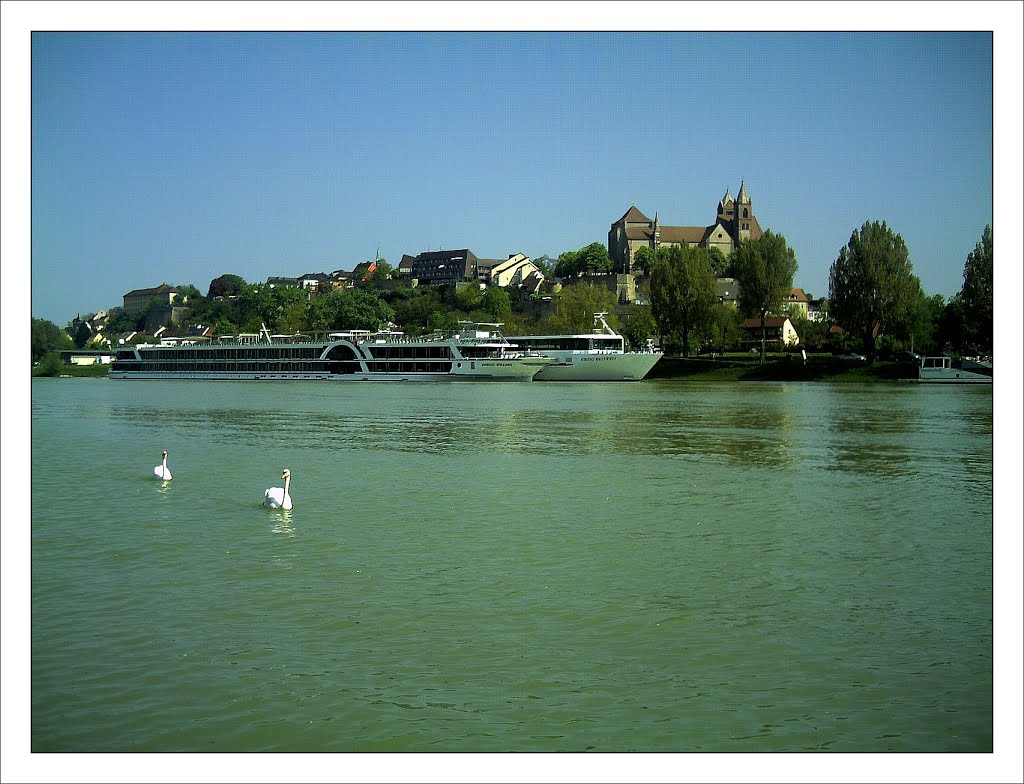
(599,356)
(476,352)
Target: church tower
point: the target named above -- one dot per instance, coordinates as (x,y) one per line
(744,215)
(656,236)
(726,207)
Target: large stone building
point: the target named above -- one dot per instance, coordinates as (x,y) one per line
(137,300)
(734,222)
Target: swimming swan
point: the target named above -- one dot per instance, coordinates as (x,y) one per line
(160,471)
(277,497)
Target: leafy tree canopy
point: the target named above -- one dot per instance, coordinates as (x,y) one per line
(495,303)
(719,263)
(591,259)
(349,309)
(976,293)
(682,292)
(764,270)
(575,307)
(47,337)
(226,286)
(188,294)
(640,327)
(644,259)
(872,284)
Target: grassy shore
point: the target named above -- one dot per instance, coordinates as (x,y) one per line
(73,371)
(780,368)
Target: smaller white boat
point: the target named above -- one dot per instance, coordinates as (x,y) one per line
(940,370)
(599,356)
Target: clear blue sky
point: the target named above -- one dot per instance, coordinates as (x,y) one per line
(177,157)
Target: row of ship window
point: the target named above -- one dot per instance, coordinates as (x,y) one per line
(413,366)
(233,353)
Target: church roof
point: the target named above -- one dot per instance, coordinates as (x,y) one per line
(633,215)
(689,234)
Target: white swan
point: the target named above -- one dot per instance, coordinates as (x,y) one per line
(160,471)
(277,497)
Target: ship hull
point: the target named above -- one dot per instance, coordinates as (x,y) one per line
(599,367)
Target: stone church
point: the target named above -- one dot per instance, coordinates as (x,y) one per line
(734,223)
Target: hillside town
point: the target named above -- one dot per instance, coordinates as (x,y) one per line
(434,288)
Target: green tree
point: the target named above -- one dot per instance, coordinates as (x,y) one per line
(188,295)
(349,309)
(546,265)
(682,292)
(467,297)
(719,263)
(496,303)
(46,337)
(226,286)
(644,259)
(120,320)
(414,307)
(639,327)
(591,259)
(595,259)
(976,293)
(50,365)
(724,327)
(441,321)
(82,335)
(951,331)
(923,326)
(764,270)
(257,307)
(871,285)
(575,307)
(568,265)
(225,327)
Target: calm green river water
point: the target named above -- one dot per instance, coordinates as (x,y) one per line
(662,566)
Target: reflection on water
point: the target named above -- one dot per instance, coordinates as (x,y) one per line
(282,522)
(773,426)
(521,567)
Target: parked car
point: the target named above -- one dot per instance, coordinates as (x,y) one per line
(908,356)
(852,358)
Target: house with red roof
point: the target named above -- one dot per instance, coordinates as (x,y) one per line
(779,330)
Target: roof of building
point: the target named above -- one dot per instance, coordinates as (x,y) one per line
(633,215)
(444,255)
(163,288)
(533,282)
(771,322)
(727,288)
(796,295)
(689,234)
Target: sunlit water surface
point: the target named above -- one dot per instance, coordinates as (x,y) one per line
(661,566)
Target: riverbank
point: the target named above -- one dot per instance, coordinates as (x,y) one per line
(72,371)
(784,368)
